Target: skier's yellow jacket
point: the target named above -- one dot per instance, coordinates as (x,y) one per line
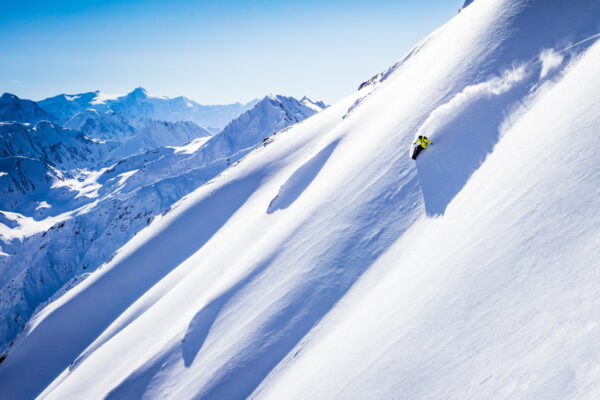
(423,141)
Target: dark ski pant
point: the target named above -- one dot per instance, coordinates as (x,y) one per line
(418,150)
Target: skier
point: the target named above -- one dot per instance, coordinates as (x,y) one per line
(420,143)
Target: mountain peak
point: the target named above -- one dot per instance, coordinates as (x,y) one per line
(293,102)
(9,97)
(466,3)
(271,96)
(139,92)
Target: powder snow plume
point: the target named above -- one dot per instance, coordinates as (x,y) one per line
(445,113)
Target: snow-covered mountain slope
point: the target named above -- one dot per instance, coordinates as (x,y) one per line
(270,115)
(106,125)
(47,167)
(15,109)
(328,264)
(133,135)
(140,104)
(21,176)
(64,106)
(315,105)
(31,189)
(94,212)
(51,144)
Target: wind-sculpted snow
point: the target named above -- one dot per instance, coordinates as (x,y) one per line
(157,256)
(470,273)
(300,180)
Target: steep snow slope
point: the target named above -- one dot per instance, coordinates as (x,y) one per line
(328,264)
(497,299)
(15,109)
(63,224)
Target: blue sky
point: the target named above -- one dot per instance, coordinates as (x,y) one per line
(211,51)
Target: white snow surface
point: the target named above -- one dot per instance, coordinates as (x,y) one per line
(327,264)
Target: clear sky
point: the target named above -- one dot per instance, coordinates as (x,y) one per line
(211,51)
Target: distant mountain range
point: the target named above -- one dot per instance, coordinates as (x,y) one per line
(142,104)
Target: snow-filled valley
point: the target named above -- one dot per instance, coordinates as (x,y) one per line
(301,253)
